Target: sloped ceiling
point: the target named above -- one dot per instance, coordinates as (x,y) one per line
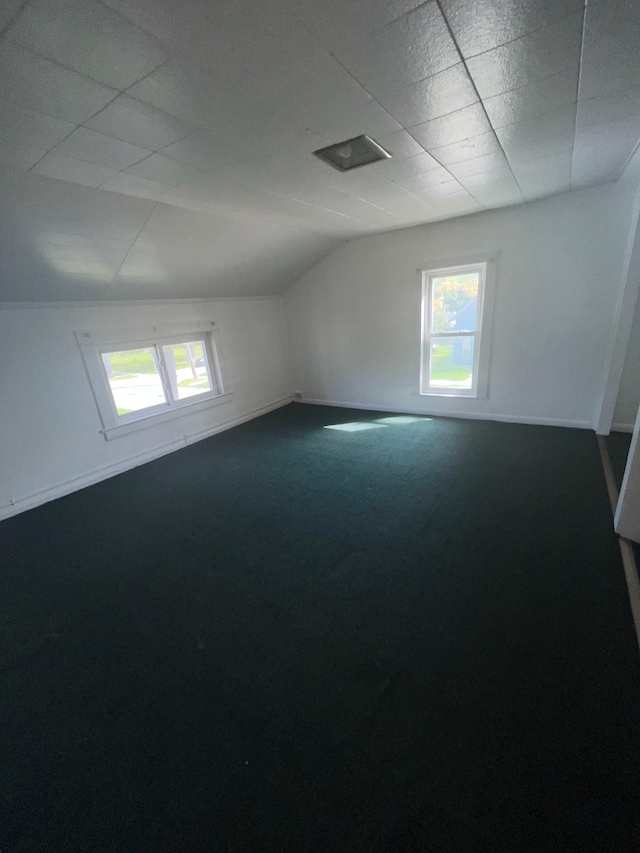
(150,148)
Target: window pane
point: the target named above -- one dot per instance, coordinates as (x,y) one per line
(188,369)
(134,379)
(451,362)
(454,306)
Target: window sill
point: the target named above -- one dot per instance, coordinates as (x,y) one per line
(453,394)
(147,421)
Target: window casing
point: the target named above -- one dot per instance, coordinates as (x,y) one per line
(455,331)
(141,376)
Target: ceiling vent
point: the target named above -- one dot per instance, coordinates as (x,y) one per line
(352,154)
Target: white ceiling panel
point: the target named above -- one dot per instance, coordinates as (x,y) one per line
(395,55)
(165,170)
(371,119)
(132,121)
(541,148)
(388,196)
(353,183)
(203,150)
(290,151)
(322,86)
(544,53)
(206,200)
(74,171)
(417,165)
(133,185)
(441,190)
(556,123)
(417,183)
(603,150)
(89,38)
(8,9)
(482,25)
(84,144)
(437,95)
(495,162)
(459,203)
(225,103)
(541,178)
(29,131)
(338,22)
(611,27)
(493,190)
(41,85)
(467,149)
(609,108)
(533,99)
(604,74)
(182,90)
(454,127)
(411,207)
(401,145)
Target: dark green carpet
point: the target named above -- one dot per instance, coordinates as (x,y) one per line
(288,638)
(618,444)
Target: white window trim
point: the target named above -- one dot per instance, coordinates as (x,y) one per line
(482,346)
(94,343)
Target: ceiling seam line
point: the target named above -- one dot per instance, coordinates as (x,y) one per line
(373,98)
(129,250)
(406,130)
(636,147)
(480,101)
(92,116)
(575,126)
(526,35)
(13,19)
(81,73)
(49,150)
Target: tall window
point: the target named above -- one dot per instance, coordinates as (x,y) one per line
(142,374)
(452,310)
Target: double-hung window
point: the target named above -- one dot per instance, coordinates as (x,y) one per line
(152,373)
(453,304)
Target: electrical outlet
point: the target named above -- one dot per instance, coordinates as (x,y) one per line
(297,395)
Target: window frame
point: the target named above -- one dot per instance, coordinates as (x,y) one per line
(93,344)
(485,264)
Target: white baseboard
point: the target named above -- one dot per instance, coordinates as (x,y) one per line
(478,416)
(96,476)
(622,427)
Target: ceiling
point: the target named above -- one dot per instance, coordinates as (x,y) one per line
(150,148)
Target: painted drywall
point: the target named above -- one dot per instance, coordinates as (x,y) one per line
(619,389)
(628,400)
(627,516)
(51,440)
(354,320)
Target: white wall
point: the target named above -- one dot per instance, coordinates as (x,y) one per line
(627,517)
(628,399)
(354,320)
(620,388)
(49,422)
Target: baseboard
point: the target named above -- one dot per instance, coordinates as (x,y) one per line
(622,427)
(478,416)
(96,476)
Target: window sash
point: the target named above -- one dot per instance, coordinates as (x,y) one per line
(156,344)
(427,335)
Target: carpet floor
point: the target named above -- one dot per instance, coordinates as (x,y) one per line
(405,635)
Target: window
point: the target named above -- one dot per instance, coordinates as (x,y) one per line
(452,320)
(136,374)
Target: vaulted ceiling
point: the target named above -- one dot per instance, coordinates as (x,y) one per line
(150,148)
